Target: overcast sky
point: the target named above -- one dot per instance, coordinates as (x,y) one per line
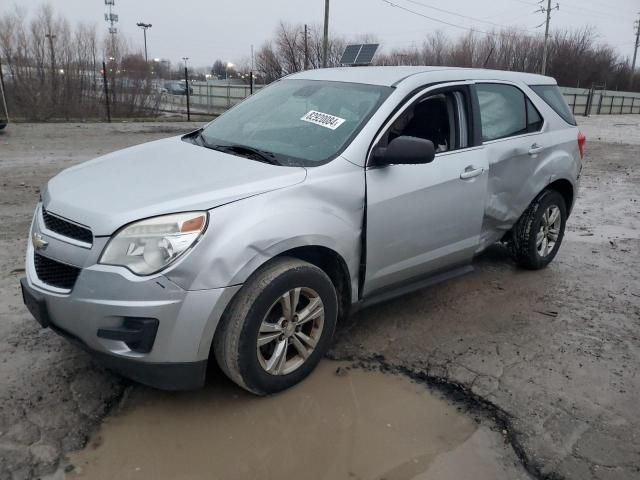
(208,29)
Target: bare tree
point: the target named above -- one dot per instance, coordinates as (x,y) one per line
(268,64)
(575,56)
(54,68)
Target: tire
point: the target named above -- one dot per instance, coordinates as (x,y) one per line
(259,312)
(527,248)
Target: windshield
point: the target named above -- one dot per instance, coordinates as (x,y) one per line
(300,122)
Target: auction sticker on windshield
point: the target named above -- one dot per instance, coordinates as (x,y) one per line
(323,119)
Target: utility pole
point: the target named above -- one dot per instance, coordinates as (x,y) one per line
(306,47)
(144,27)
(251,72)
(545,51)
(54,80)
(325,41)
(2,95)
(106,90)
(635,52)
(186,79)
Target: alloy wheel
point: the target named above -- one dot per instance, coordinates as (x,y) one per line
(290,331)
(547,235)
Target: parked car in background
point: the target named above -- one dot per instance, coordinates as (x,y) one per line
(177,88)
(246,240)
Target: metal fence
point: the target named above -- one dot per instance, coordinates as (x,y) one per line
(213,99)
(596,101)
(208,98)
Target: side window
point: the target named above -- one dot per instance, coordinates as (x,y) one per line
(502,111)
(441,118)
(534,119)
(552,95)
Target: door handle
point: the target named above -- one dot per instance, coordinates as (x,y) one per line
(471,172)
(535,148)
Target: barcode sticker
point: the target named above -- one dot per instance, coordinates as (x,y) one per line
(323,119)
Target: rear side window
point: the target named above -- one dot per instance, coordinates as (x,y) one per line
(502,111)
(553,97)
(505,111)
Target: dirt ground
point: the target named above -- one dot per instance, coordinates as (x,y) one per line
(342,423)
(550,357)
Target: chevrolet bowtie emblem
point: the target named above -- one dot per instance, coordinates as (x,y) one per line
(38,241)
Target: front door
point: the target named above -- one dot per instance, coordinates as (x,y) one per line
(425,218)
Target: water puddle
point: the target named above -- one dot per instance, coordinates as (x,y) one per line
(353,424)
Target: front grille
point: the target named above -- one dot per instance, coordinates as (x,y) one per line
(54,273)
(66,229)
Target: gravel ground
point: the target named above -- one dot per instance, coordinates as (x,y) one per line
(553,355)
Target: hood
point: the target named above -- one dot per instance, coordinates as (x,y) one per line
(165,176)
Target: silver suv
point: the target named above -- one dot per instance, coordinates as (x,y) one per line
(246,240)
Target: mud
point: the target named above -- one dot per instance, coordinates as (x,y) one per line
(552,355)
(353,424)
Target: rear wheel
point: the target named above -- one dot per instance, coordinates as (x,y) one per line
(539,232)
(278,327)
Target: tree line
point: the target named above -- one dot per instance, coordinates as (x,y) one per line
(576,58)
(55,70)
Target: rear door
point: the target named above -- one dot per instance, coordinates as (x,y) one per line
(516,146)
(422,219)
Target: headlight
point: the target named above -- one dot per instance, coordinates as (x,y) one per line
(151,245)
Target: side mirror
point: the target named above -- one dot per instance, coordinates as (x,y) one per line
(405,151)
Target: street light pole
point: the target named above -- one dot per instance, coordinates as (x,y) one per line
(226,70)
(144,27)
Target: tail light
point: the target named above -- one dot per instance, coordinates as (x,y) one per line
(582,140)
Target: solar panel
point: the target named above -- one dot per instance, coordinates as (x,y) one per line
(359,54)
(350,54)
(365,56)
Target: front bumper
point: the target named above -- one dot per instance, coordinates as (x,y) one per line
(166,376)
(106,300)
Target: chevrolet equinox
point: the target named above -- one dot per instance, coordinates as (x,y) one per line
(329,190)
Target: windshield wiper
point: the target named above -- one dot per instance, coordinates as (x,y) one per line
(246,151)
(242,150)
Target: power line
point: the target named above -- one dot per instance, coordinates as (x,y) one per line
(582,10)
(456,14)
(444,22)
(508,12)
(605,5)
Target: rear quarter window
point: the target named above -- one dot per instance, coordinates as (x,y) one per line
(553,97)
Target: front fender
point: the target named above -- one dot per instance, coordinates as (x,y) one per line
(324,211)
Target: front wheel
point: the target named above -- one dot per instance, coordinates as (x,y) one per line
(278,326)
(539,232)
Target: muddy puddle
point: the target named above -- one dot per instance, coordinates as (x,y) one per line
(353,424)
